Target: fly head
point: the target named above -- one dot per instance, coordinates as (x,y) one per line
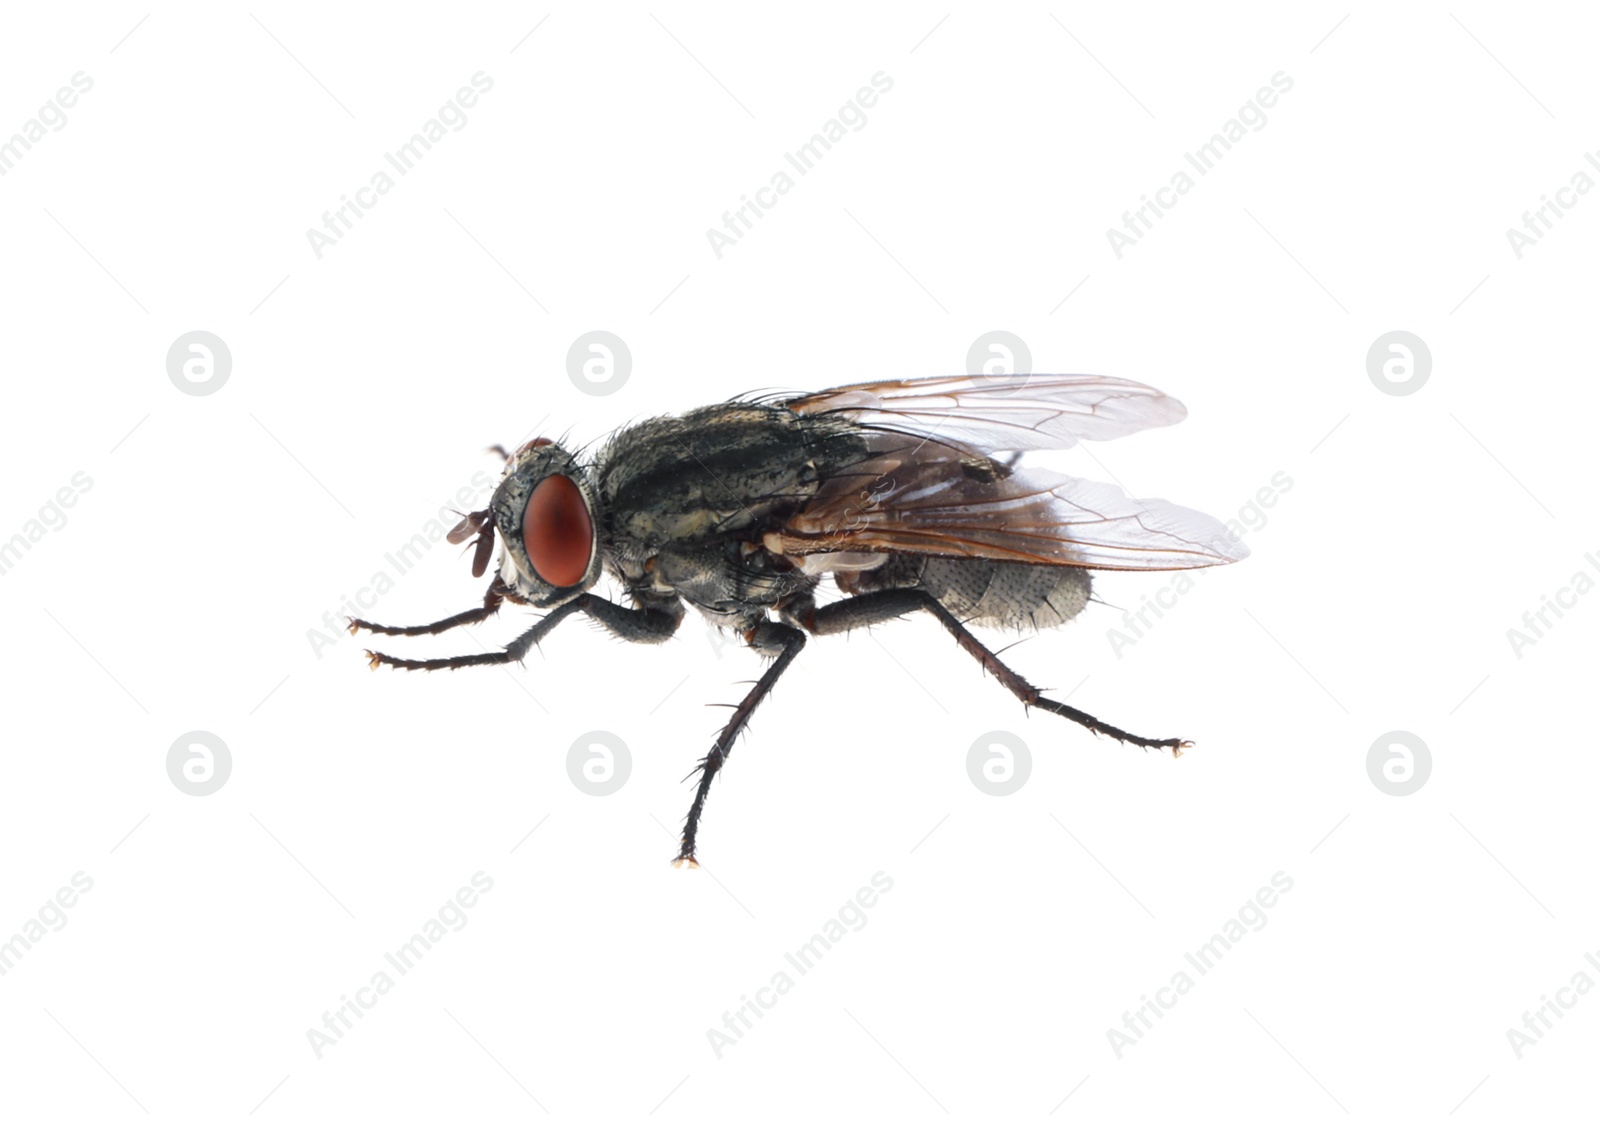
(545,512)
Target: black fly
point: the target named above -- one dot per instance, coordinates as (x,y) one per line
(892,488)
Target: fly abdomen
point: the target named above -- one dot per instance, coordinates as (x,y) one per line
(989,593)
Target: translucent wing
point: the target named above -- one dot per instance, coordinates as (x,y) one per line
(940,500)
(989,413)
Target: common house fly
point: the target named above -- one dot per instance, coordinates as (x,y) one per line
(893,488)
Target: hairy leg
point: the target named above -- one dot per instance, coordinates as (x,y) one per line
(779,640)
(491,603)
(635,624)
(878,607)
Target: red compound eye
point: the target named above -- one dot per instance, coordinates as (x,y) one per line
(557,532)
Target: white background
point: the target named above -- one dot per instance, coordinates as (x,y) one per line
(219,531)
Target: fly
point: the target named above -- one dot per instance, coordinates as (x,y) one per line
(893,488)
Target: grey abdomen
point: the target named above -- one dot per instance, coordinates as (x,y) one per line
(990,593)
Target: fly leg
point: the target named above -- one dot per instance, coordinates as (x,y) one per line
(512,653)
(656,621)
(877,607)
(636,624)
(780,641)
(491,603)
